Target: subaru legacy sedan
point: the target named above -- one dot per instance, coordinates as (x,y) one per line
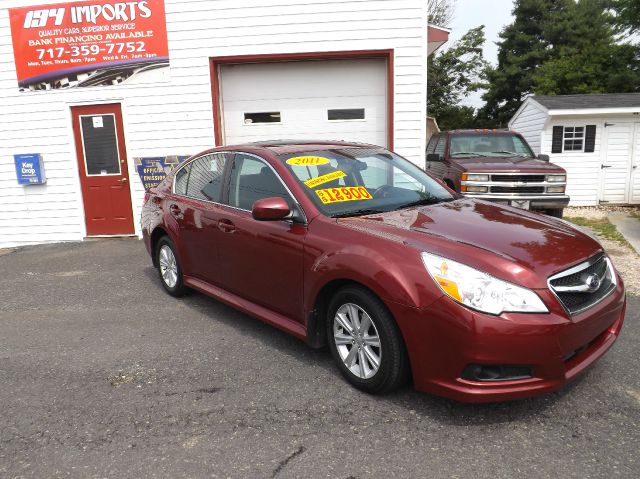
(351,246)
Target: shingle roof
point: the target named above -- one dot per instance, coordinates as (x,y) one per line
(604,100)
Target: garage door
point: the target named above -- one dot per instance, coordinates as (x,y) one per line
(323,99)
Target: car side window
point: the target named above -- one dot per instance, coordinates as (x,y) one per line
(182,177)
(253,179)
(205,177)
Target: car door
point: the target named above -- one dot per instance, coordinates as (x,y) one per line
(196,209)
(260,260)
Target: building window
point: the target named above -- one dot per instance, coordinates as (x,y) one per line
(573,138)
(346,114)
(262,117)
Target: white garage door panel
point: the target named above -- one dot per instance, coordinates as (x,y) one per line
(302,92)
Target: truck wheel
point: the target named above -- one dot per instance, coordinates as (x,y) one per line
(556,212)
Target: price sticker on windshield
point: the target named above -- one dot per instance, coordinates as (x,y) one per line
(307,161)
(345,193)
(321,180)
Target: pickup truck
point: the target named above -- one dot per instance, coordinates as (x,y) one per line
(499,166)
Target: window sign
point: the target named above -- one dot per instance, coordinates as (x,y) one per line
(30,169)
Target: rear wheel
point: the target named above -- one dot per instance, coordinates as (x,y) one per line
(169,268)
(365,341)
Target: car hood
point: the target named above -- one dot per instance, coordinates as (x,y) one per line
(512,244)
(508,164)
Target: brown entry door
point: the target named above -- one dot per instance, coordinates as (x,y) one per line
(102,162)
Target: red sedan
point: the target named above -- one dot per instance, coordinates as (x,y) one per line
(352,246)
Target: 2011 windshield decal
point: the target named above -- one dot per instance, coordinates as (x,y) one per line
(308,161)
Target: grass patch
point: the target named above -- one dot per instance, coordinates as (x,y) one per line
(635,215)
(601,226)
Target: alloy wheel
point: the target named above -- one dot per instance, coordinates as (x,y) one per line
(168,266)
(357,340)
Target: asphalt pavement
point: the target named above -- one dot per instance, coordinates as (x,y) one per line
(104,375)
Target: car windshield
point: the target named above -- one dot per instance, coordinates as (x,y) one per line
(489,145)
(358,181)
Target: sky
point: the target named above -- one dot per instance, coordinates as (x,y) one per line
(494,15)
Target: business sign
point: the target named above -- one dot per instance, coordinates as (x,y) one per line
(29,169)
(155,169)
(74,44)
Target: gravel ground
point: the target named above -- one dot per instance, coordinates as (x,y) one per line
(625,259)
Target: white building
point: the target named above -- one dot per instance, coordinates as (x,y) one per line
(228,71)
(596,138)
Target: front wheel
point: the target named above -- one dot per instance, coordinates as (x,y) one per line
(365,341)
(169,268)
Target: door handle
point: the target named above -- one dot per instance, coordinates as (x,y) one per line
(122,180)
(226,226)
(602,167)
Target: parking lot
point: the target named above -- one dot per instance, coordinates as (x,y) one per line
(104,375)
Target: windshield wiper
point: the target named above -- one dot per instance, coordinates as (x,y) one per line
(509,153)
(346,214)
(424,201)
(467,153)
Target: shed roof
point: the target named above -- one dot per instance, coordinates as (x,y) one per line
(589,101)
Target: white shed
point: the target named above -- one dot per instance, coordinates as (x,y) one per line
(595,137)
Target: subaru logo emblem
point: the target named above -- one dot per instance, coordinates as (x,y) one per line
(593,282)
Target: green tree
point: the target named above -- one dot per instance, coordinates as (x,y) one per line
(588,59)
(523,48)
(451,76)
(628,13)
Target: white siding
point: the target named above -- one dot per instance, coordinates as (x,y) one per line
(175,118)
(529,122)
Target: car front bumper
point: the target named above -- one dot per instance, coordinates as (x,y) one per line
(535,202)
(446,337)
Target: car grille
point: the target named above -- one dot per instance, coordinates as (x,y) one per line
(577,287)
(518,178)
(517,189)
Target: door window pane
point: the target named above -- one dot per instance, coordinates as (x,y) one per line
(182,176)
(100,144)
(251,180)
(205,178)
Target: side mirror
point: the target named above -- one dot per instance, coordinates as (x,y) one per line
(434,157)
(270,209)
(544,158)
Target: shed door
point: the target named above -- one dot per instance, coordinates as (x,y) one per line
(102,164)
(616,162)
(634,187)
(321,99)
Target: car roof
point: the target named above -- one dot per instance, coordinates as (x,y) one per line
(281,147)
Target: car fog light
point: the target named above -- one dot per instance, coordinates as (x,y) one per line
(480,372)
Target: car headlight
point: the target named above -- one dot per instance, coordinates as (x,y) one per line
(479,290)
(556,178)
(555,189)
(474,177)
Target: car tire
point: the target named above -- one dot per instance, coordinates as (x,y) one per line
(169,268)
(356,350)
(556,212)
